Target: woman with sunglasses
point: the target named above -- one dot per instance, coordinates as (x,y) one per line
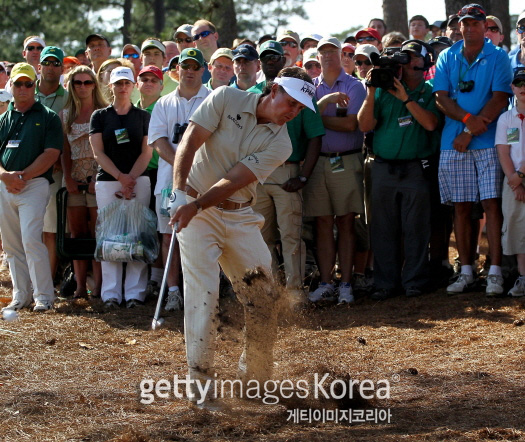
(347,58)
(80,167)
(118,136)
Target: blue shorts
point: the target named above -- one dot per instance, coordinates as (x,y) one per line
(472,176)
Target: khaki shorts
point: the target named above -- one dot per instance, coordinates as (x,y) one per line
(335,193)
(513,239)
(82,199)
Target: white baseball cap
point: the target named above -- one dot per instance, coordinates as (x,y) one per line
(5,96)
(300,90)
(121,73)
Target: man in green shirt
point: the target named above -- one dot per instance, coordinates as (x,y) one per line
(31,140)
(401,119)
(279,199)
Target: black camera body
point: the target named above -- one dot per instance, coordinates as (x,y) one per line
(387,67)
(179,132)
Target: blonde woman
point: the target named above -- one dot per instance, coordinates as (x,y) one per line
(80,167)
(104,74)
(118,136)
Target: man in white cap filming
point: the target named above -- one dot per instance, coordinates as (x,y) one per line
(234,140)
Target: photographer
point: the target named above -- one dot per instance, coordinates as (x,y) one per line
(400,117)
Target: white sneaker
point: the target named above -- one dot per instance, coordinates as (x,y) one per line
(519,288)
(494,285)
(15,305)
(325,292)
(42,306)
(463,282)
(175,300)
(345,292)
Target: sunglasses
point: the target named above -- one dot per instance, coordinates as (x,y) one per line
(348,54)
(49,63)
(149,80)
(520,29)
(85,83)
(32,48)
(520,83)
(27,84)
(493,29)
(363,62)
(134,55)
(292,44)
(270,57)
(189,67)
(312,64)
(362,39)
(187,40)
(474,11)
(202,34)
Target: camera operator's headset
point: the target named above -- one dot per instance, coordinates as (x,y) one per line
(427,58)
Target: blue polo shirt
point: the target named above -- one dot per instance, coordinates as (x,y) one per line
(515,62)
(490,72)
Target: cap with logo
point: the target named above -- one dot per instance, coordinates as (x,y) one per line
(121,73)
(289,34)
(185,29)
(472,10)
(370,31)
(192,54)
(221,52)
(441,40)
(519,75)
(329,41)
(314,37)
(310,55)
(271,46)
(52,51)
(151,69)
(5,96)
(415,48)
(153,44)
(300,90)
(22,70)
(245,51)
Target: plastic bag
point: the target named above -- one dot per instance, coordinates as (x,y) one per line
(126,231)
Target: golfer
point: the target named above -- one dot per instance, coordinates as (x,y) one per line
(234,140)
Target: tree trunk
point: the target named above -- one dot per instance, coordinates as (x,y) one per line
(224,18)
(453,6)
(128,4)
(160,13)
(395,16)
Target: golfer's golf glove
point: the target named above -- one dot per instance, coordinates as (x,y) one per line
(177,199)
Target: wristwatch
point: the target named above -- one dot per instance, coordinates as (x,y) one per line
(302,179)
(467,130)
(520,173)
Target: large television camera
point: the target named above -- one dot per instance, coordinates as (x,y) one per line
(387,67)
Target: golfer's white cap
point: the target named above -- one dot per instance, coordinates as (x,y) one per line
(300,90)
(121,73)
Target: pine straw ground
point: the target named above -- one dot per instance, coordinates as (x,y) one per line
(455,365)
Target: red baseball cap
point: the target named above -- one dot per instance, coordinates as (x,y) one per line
(370,31)
(152,70)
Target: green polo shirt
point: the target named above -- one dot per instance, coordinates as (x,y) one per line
(154,162)
(54,101)
(33,132)
(306,125)
(169,85)
(397,135)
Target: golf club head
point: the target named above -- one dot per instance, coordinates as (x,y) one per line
(157,323)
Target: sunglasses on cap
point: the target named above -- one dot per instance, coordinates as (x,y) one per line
(270,57)
(202,34)
(85,83)
(348,54)
(191,67)
(362,39)
(519,83)
(27,84)
(55,63)
(363,62)
(473,11)
(242,51)
(134,55)
(520,29)
(187,39)
(32,48)
(292,44)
